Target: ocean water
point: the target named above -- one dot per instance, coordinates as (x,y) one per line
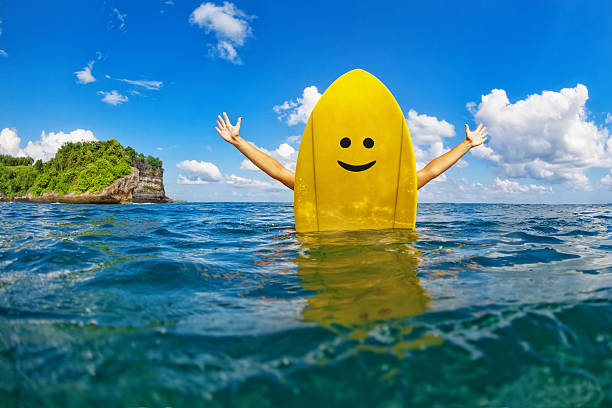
(198,304)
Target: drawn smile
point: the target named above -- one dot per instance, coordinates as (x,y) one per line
(351,167)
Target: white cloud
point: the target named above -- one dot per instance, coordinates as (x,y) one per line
(242,182)
(462,164)
(120,18)
(229,24)
(199,170)
(49,143)
(513,187)
(169,2)
(294,112)
(160,148)
(428,133)
(293,139)
(85,76)
(606,180)
(545,136)
(285,154)
(608,119)
(501,190)
(226,51)
(425,129)
(150,85)
(113,97)
(10,142)
(43,149)
(190,180)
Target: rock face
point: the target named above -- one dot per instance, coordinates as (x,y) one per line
(150,186)
(142,185)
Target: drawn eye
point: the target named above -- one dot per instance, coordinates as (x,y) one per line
(345,142)
(368,143)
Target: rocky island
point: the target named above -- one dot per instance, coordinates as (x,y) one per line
(100,172)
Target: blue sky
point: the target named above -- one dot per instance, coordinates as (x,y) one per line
(536,73)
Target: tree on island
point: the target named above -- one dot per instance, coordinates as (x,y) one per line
(77,167)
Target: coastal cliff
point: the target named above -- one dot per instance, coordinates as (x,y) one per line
(150,185)
(84,173)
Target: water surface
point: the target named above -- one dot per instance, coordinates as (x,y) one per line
(225,305)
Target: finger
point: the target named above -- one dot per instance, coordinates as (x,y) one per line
(485,133)
(227,121)
(218,130)
(239,121)
(220,121)
(467,128)
(220,124)
(479,127)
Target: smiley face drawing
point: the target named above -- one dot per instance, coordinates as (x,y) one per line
(346,142)
(356,167)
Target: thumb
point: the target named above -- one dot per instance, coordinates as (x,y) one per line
(239,120)
(467,129)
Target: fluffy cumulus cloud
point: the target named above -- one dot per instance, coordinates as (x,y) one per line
(85,76)
(228,23)
(285,154)
(10,143)
(199,172)
(43,149)
(297,111)
(514,187)
(545,136)
(428,133)
(113,97)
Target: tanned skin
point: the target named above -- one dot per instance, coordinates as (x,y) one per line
(231,134)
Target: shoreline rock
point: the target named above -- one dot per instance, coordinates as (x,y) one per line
(143,185)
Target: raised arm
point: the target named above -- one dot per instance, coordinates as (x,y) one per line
(441,164)
(267,164)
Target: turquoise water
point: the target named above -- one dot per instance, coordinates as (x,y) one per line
(224,305)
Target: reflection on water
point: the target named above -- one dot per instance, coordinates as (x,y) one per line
(361,277)
(361,280)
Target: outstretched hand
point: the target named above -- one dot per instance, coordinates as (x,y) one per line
(226,130)
(476,137)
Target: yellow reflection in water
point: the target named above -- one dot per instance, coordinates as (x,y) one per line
(361,278)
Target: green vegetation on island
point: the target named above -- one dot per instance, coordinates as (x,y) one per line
(77,167)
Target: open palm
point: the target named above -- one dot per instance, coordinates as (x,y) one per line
(476,137)
(230,133)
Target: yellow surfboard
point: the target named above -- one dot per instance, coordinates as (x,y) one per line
(355,167)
